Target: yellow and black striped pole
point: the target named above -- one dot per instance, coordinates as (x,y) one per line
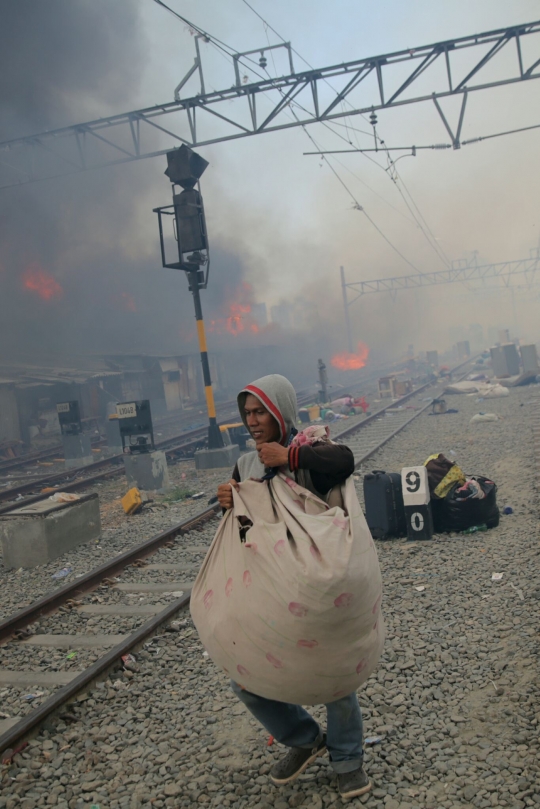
(215,439)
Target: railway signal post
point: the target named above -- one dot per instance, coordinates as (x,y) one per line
(184,169)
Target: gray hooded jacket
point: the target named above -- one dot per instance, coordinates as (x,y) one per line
(277,394)
(320,467)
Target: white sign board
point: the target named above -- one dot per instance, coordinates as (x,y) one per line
(414,482)
(63,407)
(126,410)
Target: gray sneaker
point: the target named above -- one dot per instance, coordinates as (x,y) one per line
(352,784)
(295,762)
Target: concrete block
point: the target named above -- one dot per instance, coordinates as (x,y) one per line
(217,458)
(529,358)
(77,450)
(114,442)
(147,471)
(38,533)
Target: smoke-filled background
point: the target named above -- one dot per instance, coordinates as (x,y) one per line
(79,257)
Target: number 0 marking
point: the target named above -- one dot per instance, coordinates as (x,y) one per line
(417,521)
(412,479)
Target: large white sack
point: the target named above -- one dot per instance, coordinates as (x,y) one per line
(493,391)
(462,387)
(293,611)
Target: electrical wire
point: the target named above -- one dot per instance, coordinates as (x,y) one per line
(359,207)
(433,241)
(499,134)
(218,43)
(229,51)
(424,228)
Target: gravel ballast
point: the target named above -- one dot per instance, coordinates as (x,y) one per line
(455,697)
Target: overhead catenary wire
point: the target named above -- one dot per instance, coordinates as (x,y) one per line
(424,228)
(360,208)
(229,51)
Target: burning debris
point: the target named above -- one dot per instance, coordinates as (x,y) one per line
(347,361)
(239,317)
(37,280)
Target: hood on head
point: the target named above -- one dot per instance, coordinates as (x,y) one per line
(277,394)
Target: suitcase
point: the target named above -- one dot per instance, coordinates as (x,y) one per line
(383,498)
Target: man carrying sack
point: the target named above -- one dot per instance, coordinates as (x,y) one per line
(288,598)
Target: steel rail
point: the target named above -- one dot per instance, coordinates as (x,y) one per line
(48,604)
(189,441)
(33,720)
(51,602)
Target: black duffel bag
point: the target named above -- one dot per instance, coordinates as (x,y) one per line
(451,513)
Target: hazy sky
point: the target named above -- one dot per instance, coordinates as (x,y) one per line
(290,215)
(277,219)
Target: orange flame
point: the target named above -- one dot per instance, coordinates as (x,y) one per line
(238,319)
(235,322)
(351,362)
(37,280)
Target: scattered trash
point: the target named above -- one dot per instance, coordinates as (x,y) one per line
(420,589)
(30,697)
(71,655)
(198,496)
(496,576)
(508,510)
(132,501)
(61,574)
(130,663)
(373,740)
(518,591)
(64,497)
(474,529)
(481,417)
(499,691)
(205,654)
(438,407)
(270,741)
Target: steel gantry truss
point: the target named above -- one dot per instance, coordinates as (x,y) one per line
(236,112)
(460,271)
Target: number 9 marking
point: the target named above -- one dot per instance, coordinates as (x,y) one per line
(412,480)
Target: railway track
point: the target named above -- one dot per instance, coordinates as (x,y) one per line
(164,585)
(225,410)
(177,447)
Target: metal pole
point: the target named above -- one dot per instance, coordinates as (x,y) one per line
(346,307)
(215,439)
(323,380)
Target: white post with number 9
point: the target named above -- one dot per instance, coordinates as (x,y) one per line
(414,482)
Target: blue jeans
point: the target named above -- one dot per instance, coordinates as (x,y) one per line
(294,727)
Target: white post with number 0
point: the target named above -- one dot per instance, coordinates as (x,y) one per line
(414,483)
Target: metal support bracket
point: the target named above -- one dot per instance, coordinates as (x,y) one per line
(197,65)
(456,143)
